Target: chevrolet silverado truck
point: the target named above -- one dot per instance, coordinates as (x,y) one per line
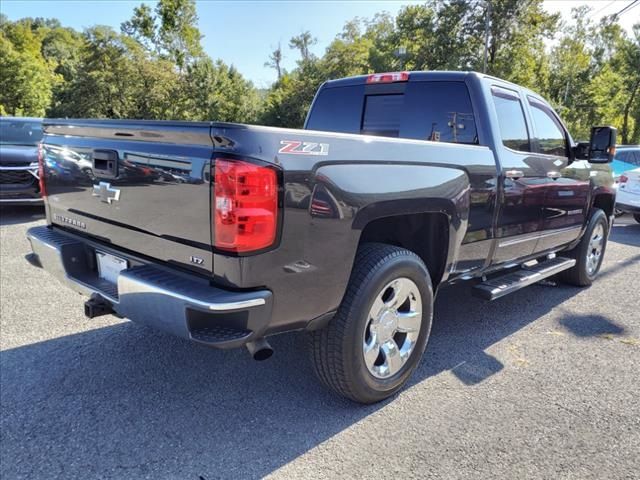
(399,184)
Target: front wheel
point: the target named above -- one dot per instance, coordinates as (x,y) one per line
(589,253)
(377,338)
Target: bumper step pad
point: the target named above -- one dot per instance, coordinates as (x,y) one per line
(218,334)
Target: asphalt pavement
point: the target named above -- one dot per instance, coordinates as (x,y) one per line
(544,383)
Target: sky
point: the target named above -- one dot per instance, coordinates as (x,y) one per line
(243,33)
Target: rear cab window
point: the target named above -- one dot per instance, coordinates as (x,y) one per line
(382,115)
(423,110)
(337,110)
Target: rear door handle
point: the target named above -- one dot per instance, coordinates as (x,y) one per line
(515,174)
(554,175)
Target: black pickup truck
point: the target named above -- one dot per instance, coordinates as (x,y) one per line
(399,184)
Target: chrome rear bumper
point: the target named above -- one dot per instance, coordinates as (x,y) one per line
(178,303)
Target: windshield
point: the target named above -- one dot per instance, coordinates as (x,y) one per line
(20,132)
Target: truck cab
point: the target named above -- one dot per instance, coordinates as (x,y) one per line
(541,192)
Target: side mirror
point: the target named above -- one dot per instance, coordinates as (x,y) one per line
(581,151)
(602,146)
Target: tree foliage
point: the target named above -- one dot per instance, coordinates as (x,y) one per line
(155,66)
(27,78)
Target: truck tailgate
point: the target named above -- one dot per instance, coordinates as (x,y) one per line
(137,185)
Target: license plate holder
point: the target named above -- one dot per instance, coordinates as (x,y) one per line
(110,266)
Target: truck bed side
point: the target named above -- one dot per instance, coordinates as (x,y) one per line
(338,187)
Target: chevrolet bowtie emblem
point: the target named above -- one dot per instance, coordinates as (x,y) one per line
(106,193)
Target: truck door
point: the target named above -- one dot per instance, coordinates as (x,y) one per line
(567,191)
(522,180)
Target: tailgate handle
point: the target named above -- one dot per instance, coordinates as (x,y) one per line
(105,163)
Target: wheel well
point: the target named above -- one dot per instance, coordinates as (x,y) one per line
(605,202)
(425,234)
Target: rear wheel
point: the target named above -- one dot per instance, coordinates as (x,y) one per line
(377,338)
(637,217)
(589,253)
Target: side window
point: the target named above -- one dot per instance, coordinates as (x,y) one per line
(549,132)
(513,128)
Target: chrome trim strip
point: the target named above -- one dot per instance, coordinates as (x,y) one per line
(17,200)
(26,167)
(128,284)
(537,236)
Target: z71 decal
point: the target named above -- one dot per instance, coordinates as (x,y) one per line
(296,147)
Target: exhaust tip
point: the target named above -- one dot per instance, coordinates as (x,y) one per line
(260,349)
(263,354)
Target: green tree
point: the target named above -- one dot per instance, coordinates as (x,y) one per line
(26,77)
(171,30)
(349,53)
(107,78)
(275,60)
(287,103)
(216,91)
(303,43)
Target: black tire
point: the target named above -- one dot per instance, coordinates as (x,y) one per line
(337,350)
(636,217)
(579,274)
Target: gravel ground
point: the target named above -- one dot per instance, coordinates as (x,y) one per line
(540,384)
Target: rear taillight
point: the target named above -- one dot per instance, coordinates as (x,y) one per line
(245,203)
(623,179)
(43,190)
(390,77)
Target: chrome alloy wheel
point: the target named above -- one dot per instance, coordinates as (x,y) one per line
(392,328)
(594,252)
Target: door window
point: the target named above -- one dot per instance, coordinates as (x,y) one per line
(549,131)
(513,127)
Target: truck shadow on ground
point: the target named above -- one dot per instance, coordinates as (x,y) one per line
(125,401)
(627,233)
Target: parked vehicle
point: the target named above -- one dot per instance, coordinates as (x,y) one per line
(399,184)
(627,158)
(628,196)
(19,138)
